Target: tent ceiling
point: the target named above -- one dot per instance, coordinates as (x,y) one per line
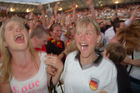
(22,5)
(33,2)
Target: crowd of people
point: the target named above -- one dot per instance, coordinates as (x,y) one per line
(91,51)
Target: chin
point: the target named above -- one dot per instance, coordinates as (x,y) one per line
(84,55)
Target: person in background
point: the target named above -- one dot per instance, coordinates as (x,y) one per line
(85,70)
(116,53)
(129,37)
(39,38)
(23,70)
(54,44)
(118,24)
(70,35)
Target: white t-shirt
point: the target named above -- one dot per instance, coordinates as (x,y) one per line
(89,80)
(36,84)
(135,71)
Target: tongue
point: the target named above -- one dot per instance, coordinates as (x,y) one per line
(84,48)
(19,40)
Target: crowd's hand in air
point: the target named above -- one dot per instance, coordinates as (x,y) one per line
(89,2)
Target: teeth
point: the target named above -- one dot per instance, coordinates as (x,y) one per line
(19,36)
(83,44)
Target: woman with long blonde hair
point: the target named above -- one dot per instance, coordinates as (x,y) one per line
(23,69)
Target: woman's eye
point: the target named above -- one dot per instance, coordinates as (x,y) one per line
(87,33)
(10,28)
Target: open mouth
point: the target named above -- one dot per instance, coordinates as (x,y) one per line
(84,46)
(19,38)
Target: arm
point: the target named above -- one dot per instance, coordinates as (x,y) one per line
(128,60)
(91,7)
(57,64)
(74,17)
(55,11)
(43,18)
(133,16)
(40,7)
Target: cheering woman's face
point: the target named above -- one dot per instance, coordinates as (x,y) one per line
(86,39)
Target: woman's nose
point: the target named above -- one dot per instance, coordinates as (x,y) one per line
(82,37)
(18,29)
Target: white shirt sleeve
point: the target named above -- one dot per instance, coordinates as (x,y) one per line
(127,22)
(109,34)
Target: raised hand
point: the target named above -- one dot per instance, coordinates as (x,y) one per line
(40,7)
(55,67)
(73,6)
(51,70)
(55,62)
(56,8)
(89,2)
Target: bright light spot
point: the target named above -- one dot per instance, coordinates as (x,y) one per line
(12,9)
(29,10)
(76,6)
(116,2)
(60,9)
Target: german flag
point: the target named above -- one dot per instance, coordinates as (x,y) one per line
(93,84)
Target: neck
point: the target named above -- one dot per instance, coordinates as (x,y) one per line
(55,38)
(88,60)
(21,57)
(33,43)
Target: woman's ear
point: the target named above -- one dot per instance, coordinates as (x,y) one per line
(108,55)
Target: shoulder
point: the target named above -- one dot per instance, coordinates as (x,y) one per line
(71,57)
(42,55)
(72,54)
(109,31)
(108,65)
(108,62)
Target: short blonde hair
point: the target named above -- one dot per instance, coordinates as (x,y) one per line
(84,22)
(5,53)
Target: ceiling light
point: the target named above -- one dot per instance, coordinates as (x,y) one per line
(76,6)
(60,8)
(12,9)
(28,10)
(116,2)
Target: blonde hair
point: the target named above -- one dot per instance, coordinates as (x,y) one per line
(84,22)
(6,55)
